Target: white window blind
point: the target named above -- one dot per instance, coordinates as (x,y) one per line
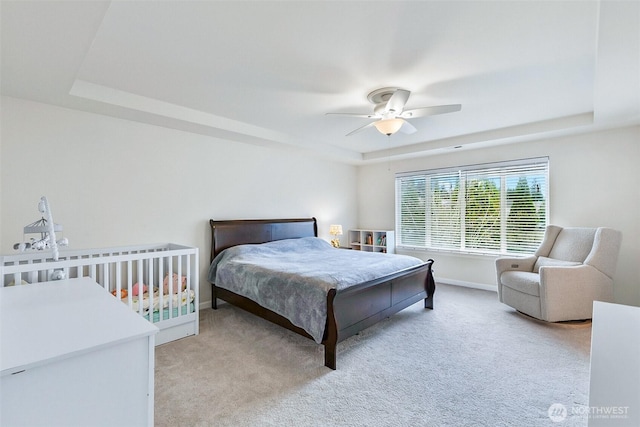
(498,208)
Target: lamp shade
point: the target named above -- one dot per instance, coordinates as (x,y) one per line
(335,230)
(389,126)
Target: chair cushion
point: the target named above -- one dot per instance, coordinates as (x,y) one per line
(544,261)
(522,281)
(573,244)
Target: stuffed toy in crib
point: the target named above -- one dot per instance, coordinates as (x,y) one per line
(178,281)
(137,287)
(135,291)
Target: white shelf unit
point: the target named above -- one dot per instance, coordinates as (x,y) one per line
(372,240)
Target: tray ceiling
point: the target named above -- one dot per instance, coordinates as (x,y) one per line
(266,72)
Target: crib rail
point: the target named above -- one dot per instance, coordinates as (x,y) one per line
(169,273)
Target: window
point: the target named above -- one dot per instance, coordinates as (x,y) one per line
(498,208)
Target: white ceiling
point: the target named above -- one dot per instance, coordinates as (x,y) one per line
(266,72)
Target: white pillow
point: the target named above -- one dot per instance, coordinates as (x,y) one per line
(552,262)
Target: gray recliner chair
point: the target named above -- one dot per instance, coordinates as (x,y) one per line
(572,268)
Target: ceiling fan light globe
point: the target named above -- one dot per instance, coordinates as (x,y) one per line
(388,126)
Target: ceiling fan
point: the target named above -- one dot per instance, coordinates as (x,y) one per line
(390,113)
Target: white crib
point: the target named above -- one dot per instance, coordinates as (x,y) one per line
(162,268)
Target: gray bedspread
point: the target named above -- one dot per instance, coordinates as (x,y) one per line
(292,277)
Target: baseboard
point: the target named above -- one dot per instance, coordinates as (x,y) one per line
(483,286)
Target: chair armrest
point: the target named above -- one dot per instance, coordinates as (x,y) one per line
(515,264)
(568,292)
(512,264)
(604,254)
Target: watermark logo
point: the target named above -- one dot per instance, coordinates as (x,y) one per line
(557,412)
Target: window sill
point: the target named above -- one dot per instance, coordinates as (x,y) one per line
(469,254)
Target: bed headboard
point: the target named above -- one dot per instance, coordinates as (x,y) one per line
(225,234)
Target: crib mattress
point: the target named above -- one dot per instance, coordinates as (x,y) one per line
(186,309)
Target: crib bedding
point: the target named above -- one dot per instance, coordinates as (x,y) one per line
(182,299)
(292,277)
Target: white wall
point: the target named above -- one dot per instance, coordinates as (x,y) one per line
(594,181)
(112,182)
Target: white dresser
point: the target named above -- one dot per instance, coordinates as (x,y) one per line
(614,383)
(72,354)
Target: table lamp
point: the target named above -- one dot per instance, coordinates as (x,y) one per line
(335,231)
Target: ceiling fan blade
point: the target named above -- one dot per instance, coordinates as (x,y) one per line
(361,128)
(364,116)
(396,103)
(408,128)
(430,111)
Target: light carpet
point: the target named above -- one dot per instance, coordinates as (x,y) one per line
(471,361)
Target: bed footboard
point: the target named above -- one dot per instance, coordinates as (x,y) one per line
(430,286)
(362,306)
(331,333)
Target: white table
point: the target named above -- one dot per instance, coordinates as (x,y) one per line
(614,389)
(72,354)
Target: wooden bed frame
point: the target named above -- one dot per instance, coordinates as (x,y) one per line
(349,311)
